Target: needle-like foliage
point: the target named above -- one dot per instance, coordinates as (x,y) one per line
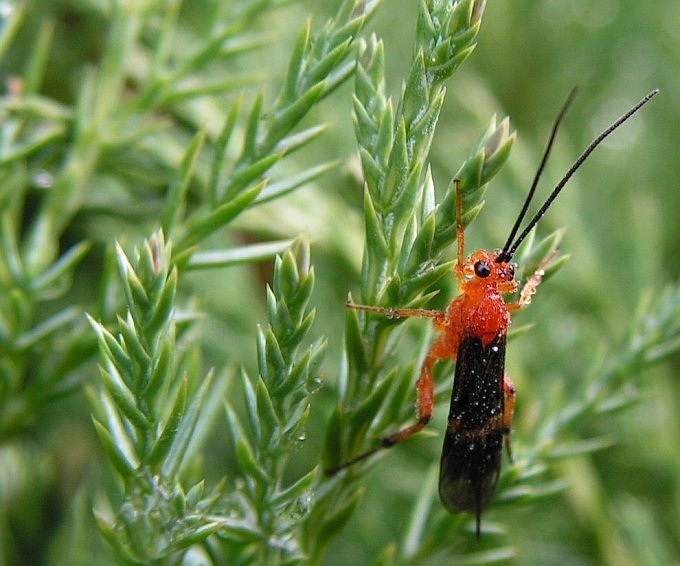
(175,375)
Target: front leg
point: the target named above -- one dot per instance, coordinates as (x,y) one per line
(532,283)
(438,316)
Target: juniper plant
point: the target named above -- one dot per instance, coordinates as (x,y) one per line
(146,413)
(131,175)
(114,150)
(406,235)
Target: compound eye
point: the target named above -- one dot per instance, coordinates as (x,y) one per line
(511,271)
(482,269)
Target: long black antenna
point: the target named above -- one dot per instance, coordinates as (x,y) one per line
(539,172)
(511,247)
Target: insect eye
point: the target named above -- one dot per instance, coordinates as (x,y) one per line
(482,269)
(511,271)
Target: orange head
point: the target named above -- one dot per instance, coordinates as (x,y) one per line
(483,270)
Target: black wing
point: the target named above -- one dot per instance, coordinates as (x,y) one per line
(471,458)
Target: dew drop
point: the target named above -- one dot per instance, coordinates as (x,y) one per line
(43,180)
(6,9)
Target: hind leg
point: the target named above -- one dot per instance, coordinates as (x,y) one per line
(424,402)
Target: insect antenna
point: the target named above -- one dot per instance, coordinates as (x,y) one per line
(511,247)
(539,171)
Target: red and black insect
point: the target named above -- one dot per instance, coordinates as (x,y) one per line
(472,331)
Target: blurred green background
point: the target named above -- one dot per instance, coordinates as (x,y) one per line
(621,505)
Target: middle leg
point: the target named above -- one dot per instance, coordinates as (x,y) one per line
(508,411)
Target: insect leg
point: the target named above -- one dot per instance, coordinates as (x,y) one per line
(532,283)
(509,393)
(424,407)
(397,313)
(460,232)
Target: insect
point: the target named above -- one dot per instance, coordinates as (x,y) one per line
(472,331)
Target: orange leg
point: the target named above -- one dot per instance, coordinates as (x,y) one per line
(460,232)
(532,283)
(508,411)
(424,406)
(398,313)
